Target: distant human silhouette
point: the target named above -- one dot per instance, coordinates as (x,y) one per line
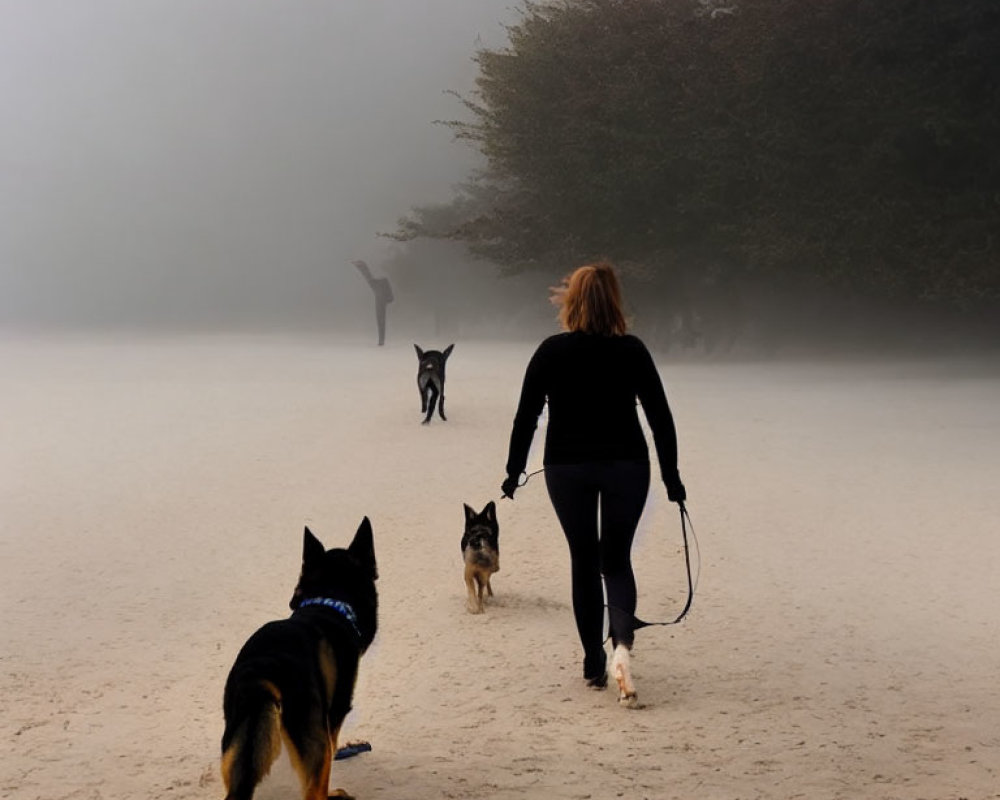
(383,296)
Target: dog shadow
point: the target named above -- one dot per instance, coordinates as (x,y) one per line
(514,601)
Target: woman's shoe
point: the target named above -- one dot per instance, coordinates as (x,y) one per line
(622,668)
(595,670)
(598,681)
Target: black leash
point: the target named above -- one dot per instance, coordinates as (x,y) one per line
(528,477)
(691,582)
(685,522)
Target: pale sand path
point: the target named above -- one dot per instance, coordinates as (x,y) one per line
(844,642)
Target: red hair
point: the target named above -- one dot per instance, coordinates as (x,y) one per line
(590,300)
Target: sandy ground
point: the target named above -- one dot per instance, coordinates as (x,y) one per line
(843,643)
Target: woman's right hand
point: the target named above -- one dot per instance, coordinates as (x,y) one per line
(676,492)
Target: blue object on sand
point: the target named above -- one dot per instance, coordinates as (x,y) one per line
(352,749)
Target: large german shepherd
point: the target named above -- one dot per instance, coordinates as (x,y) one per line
(430,379)
(293,681)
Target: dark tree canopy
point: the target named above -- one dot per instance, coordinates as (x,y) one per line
(853,142)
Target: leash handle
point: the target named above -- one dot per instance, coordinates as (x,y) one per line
(527,477)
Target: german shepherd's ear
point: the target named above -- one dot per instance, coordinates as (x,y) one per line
(470,515)
(312,548)
(362,547)
(420,353)
(490,512)
(312,552)
(447,352)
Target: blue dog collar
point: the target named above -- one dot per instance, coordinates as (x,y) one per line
(337,605)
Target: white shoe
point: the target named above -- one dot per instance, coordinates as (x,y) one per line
(621,668)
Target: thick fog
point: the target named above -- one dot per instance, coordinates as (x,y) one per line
(176,162)
(217,165)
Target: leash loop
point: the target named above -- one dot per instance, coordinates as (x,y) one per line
(528,476)
(685,523)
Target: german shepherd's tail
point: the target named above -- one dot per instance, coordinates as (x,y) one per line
(252,740)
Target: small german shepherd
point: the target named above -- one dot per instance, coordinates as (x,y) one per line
(293,681)
(481,553)
(430,380)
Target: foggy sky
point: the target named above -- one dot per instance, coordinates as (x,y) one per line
(173,160)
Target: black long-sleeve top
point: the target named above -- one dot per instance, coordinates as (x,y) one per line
(591,383)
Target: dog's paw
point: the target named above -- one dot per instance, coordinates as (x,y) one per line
(474,608)
(339,794)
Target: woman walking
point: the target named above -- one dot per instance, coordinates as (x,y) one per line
(596,460)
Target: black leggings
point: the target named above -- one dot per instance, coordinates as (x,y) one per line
(575,489)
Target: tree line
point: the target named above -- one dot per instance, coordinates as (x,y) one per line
(709,145)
